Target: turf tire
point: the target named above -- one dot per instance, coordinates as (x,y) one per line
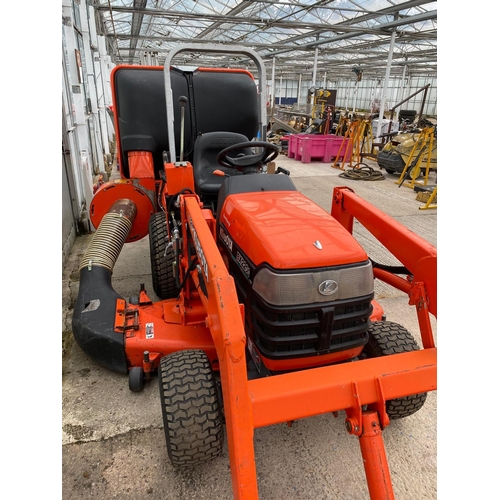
(191,408)
(161,262)
(385,338)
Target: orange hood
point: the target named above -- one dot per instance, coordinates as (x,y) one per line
(282,227)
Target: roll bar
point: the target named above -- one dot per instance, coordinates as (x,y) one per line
(215,48)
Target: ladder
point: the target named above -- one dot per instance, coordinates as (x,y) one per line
(423,144)
(348,143)
(359,139)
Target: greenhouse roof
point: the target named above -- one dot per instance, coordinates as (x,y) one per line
(342,36)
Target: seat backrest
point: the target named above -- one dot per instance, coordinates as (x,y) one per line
(225,100)
(140,108)
(217,100)
(206,149)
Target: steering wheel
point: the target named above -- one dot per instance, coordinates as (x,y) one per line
(244,160)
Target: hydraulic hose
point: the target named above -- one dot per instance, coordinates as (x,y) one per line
(363,173)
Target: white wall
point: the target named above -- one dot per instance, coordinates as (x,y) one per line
(85,96)
(367,90)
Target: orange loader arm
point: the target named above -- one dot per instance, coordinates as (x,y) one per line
(224,318)
(415,253)
(283,398)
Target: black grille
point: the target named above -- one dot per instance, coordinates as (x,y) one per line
(296,316)
(304,330)
(282,332)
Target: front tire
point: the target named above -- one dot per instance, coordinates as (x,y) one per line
(191,408)
(385,338)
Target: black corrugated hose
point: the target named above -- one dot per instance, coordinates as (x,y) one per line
(364,173)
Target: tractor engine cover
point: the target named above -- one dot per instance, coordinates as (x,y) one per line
(288,231)
(306,283)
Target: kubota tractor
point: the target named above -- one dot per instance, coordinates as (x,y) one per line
(266,311)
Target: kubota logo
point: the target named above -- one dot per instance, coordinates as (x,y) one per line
(328,287)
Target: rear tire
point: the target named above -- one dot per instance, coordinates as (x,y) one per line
(390,160)
(191,408)
(385,338)
(162,272)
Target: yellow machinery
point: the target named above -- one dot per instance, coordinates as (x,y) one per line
(413,168)
(423,147)
(343,124)
(319,103)
(408,149)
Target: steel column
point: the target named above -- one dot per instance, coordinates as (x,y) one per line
(386,81)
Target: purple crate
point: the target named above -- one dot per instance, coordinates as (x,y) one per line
(292,145)
(321,147)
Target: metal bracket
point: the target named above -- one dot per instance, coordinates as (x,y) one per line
(418,296)
(380,405)
(354,414)
(126,320)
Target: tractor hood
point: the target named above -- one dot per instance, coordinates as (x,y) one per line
(288,231)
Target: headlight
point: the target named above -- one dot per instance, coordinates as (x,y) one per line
(287,289)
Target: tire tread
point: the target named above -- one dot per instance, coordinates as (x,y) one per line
(161,262)
(191,408)
(385,338)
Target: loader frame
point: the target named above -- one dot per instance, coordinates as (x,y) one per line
(361,388)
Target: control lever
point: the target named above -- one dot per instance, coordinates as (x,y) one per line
(281,170)
(182,101)
(220,173)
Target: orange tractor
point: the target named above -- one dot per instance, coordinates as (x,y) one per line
(266,312)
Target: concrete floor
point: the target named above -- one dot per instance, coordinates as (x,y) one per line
(113,444)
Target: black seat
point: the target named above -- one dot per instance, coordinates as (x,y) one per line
(206,149)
